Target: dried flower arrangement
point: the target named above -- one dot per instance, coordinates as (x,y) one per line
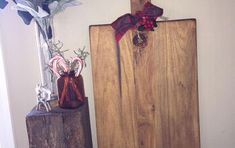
(42,13)
(60,65)
(70,82)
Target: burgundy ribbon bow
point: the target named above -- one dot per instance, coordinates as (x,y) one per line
(128,21)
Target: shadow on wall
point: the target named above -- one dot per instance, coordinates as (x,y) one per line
(6,132)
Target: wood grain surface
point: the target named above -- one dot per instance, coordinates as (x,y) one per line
(137,5)
(59,128)
(146,99)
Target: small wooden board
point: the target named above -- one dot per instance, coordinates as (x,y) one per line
(59,128)
(147,100)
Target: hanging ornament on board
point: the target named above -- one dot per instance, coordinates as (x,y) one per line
(142,21)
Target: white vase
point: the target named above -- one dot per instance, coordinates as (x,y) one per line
(45,52)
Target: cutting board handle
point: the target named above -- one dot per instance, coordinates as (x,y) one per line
(137,5)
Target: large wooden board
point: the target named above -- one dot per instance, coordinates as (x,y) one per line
(147,100)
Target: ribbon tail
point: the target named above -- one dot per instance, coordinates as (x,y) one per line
(75,88)
(64,91)
(123,24)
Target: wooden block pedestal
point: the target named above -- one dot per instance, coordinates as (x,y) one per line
(60,128)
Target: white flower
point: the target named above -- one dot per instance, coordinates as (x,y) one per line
(28,6)
(56,7)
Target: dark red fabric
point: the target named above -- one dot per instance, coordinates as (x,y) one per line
(70,90)
(128,21)
(122,24)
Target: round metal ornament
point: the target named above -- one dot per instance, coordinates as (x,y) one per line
(140,39)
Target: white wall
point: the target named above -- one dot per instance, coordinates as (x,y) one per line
(215,28)
(22,70)
(6,132)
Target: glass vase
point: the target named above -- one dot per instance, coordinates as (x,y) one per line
(45,40)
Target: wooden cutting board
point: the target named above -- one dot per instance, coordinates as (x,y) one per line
(147,100)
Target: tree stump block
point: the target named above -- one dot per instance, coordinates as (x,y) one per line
(59,128)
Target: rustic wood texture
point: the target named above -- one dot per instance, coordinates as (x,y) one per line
(147,99)
(59,128)
(137,5)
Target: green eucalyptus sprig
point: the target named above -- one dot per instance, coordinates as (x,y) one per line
(82,54)
(59,64)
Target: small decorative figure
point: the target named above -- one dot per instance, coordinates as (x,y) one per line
(43,97)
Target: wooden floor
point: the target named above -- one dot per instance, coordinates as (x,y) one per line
(147,99)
